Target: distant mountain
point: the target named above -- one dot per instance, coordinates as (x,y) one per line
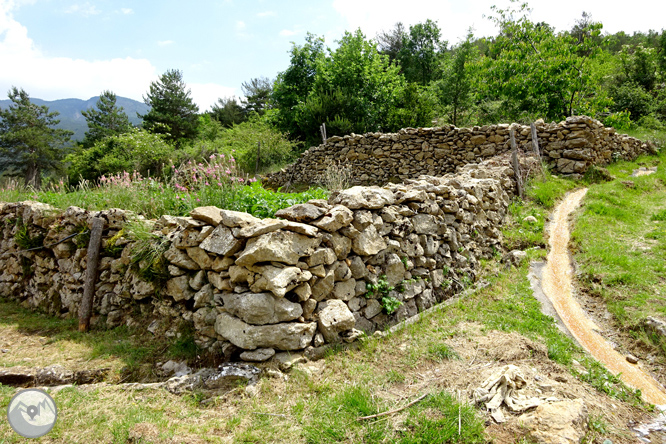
(70,111)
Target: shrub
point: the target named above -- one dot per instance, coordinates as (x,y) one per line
(241,141)
(633,98)
(138,151)
(621,120)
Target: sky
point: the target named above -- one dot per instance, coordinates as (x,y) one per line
(57,49)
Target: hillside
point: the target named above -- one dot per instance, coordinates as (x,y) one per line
(70,111)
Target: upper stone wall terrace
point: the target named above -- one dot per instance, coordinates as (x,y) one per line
(568,147)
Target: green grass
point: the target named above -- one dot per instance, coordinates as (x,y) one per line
(620,238)
(154,198)
(130,353)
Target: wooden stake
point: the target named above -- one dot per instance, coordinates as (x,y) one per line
(515,164)
(535,141)
(85,310)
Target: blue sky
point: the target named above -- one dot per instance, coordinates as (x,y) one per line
(58,49)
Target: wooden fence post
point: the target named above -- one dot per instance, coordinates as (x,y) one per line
(322,128)
(85,310)
(535,141)
(515,164)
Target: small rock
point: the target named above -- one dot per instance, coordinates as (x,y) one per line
(287,360)
(530,219)
(632,359)
(258,355)
(4,350)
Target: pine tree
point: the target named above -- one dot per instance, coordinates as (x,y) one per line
(172,110)
(105,120)
(28,142)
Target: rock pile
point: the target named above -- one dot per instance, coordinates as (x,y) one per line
(320,272)
(568,147)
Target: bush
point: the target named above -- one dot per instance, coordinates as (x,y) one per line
(621,121)
(138,151)
(633,98)
(241,142)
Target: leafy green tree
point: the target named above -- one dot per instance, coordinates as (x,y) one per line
(293,85)
(454,89)
(29,143)
(422,52)
(392,42)
(355,87)
(639,65)
(228,112)
(257,94)
(137,150)
(105,120)
(536,72)
(172,110)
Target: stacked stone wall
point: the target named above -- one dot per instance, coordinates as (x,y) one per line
(568,147)
(319,273)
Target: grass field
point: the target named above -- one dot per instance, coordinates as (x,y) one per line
(619,241)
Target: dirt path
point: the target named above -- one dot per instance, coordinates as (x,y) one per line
(558,287)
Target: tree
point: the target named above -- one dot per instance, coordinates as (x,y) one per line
(134,151)
(421,53)
(391,43)
(172,110)
(29,143)
(295,83)
(354,89)
(105,120)
(453,90)
(538,72)
(228,112)
(257,94)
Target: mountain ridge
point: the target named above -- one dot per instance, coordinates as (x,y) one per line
(70,111)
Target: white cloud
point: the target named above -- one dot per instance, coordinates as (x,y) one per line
(206,94)
(267,14)
(164,42)
(53,78)
(85,9)
(240,25)
(127,11)
(287,33)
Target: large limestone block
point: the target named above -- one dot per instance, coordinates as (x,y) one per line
(278,280)
(324,286)
(368,242)
(180,259)
(301,213)
(221,242)
(278,246)
(336,218)
(559,422)
(179,288)
(199,256)
(258,228)
(211,215)
(357,197)
(237,219)
(261,308)
(425,224)
(334,319)
(285,336)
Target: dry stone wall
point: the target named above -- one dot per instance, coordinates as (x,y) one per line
(319,273)
(568,147)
